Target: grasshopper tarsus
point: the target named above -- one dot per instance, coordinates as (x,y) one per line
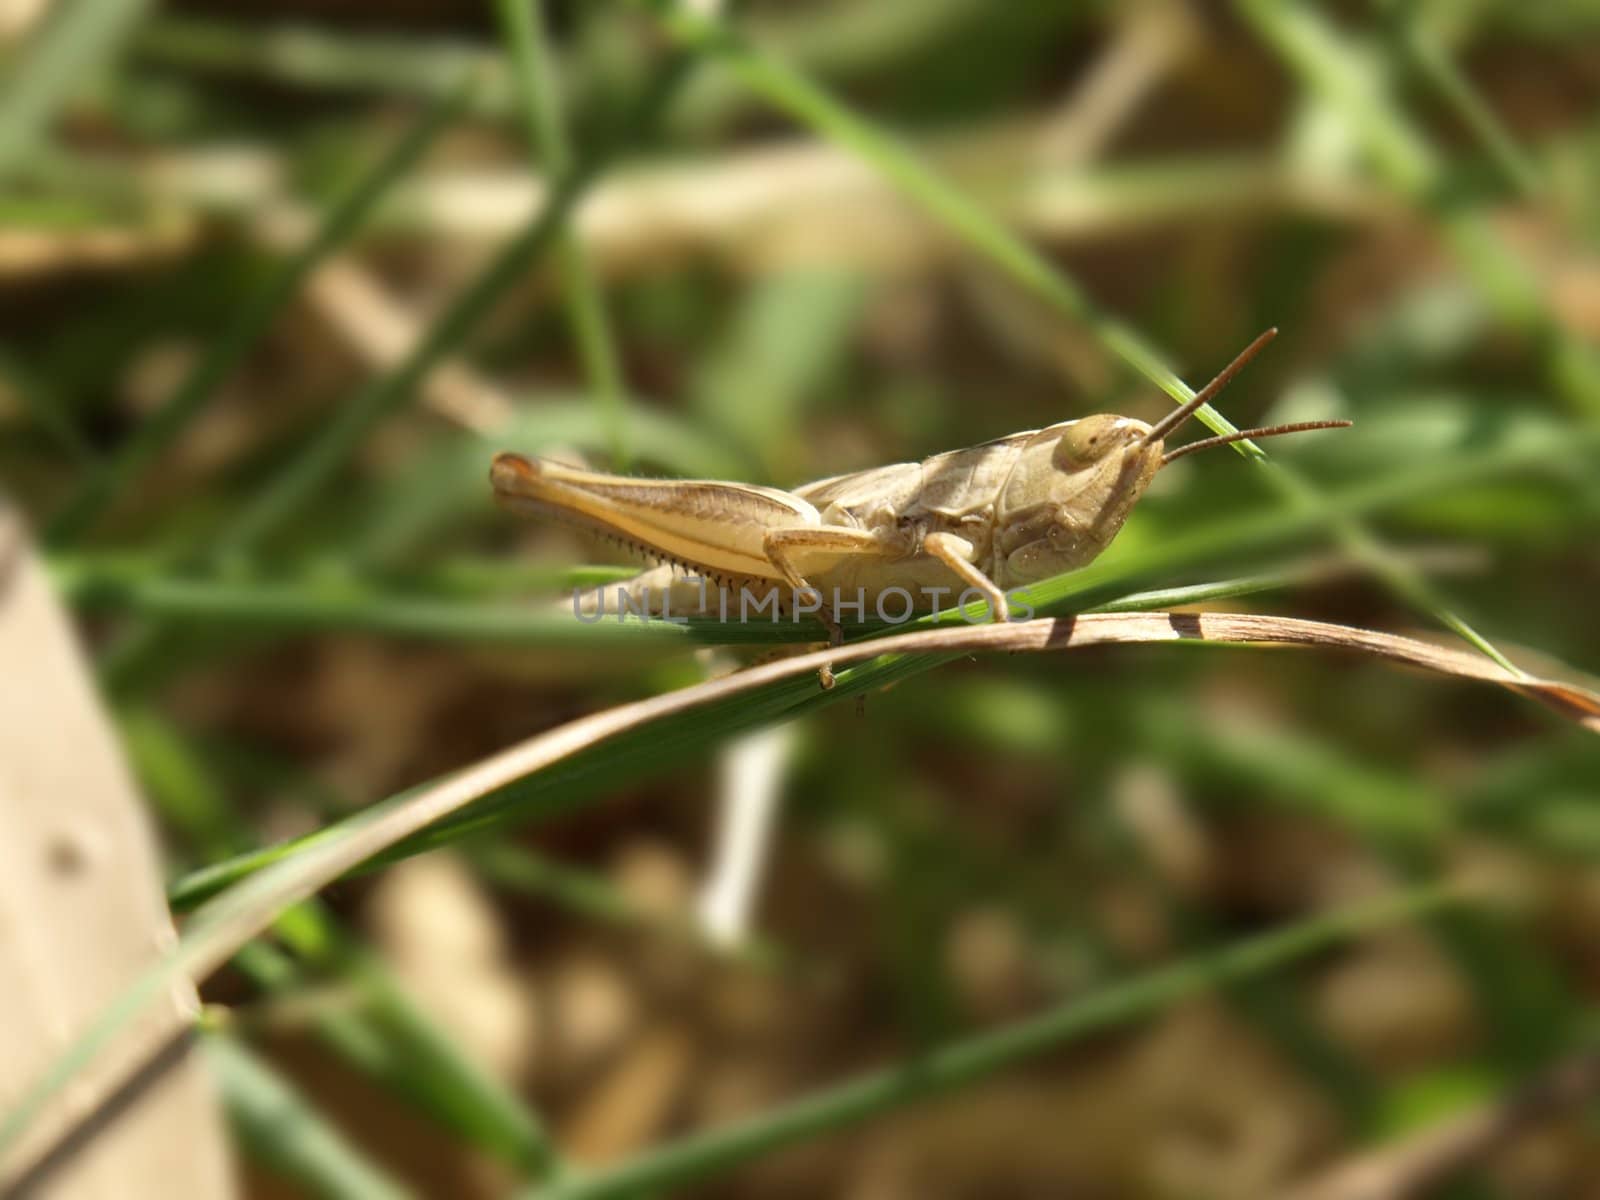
(835,639)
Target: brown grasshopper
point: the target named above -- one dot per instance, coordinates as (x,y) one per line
(981,520)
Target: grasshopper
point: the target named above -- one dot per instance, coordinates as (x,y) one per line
(985,519)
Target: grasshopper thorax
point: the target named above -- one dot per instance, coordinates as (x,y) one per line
(1068,493)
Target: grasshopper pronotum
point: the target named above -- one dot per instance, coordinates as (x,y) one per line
(984,519)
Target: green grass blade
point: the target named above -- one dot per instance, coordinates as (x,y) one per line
(563,762)
(1312,47)
(316,465)
(349,604)
(797,95)
(709,1155)
(519,869)
(317,55)
(283,1131)
(523,23)
(1406,822)
(389,1037)
(78,35)
(425,1064)
(805,101)
(562,783)
(1405,581)
(1433,62)
(46,411)
(100,488)
(312,469)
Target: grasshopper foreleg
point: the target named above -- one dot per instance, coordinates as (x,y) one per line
(956,552)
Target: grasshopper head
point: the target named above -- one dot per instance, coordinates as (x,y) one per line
(1068,494)
(1074,484)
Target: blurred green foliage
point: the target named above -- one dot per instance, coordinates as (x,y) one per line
(237,494)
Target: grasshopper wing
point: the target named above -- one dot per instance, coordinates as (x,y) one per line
(864,498)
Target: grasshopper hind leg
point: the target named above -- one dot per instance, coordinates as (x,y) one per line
(781,545)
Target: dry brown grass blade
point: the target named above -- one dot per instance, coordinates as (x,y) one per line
(81,916)
(383,827)
(229,920)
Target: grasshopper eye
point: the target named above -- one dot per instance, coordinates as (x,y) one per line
(1087,441)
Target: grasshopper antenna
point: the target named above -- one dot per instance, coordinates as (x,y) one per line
(1178,416)
(1239,435)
